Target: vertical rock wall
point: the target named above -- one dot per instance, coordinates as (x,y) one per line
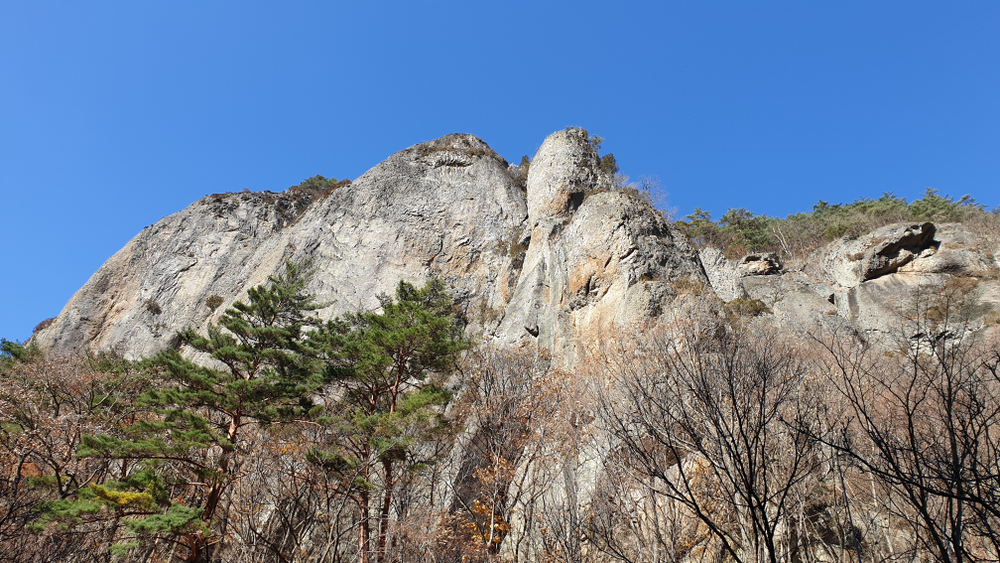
(596,257)
(561,263)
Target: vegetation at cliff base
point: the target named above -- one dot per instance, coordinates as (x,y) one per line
(386,436)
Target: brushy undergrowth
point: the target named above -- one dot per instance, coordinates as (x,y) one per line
(739,231)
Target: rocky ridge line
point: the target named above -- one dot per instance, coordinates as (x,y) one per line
(560,262)
(564,262)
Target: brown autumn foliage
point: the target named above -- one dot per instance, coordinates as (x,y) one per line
(715,428)
(46,406)
(703,438)
(922,421)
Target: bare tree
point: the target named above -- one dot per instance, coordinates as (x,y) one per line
(503,405)
(517,492)
(710,419)
(46,407)
(925,423)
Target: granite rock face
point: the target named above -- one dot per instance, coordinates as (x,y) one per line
(165,278)
(956,250)
(564,262)
(446,208)
(442,208)
(596,258)
(952,269)
(880,252)
(869,284)
(564,170)
(559,262)
(723,274)
(615,263)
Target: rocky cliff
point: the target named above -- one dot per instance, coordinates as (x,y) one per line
(873,284)
(568,260)
(560,261)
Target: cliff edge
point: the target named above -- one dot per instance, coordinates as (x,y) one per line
(560,261)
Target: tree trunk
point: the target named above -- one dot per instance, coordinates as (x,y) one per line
(572,539)
(364,529)
(198,549)
(383,530)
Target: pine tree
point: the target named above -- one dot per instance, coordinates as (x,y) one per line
(380,365)
(185,449)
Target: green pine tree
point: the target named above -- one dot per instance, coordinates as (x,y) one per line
(188,444)
(381,365)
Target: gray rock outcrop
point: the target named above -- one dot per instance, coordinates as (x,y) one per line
(565,169)
(869,284)
(443,208)
(723,275)
(761,264)
(560,263)
(563,262)
(165,278)
(880,252)
(952,269)
(597,258)
(956,250)
(792,298)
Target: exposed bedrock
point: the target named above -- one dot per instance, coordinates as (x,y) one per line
(565,260)
(872,283)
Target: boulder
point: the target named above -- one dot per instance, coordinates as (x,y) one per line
(565,168)
(956,250)
(722,274)
(761,264)
(883,251)
(727,276)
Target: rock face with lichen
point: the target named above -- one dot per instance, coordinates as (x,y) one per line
(564,261)
(596,258)
(561,262)
(870,284)
(179,272)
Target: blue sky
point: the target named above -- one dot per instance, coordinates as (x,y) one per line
(116,114)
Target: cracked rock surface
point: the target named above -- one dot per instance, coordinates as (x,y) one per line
(564,262)
(870,284)
(560,263)
(442,208)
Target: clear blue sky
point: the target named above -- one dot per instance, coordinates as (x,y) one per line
(116,114)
